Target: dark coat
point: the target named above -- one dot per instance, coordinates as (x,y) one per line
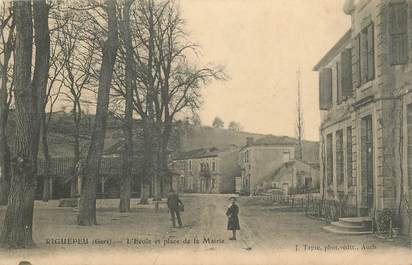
(233,219)
(173,201)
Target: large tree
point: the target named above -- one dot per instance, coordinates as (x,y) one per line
(6,51)
(18,221)
(78,50)
(299,119)
(167,82)
(87,205)
(218,123)
(126,180)
(234,126)
(50,96)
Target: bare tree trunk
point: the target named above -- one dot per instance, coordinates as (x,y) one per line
(76,148)
(46,190)
(146,179)
(4,111)
(125,186)
(18,222)
(151,94)
(163,160)
(87,205)
(157,178)
(5,168)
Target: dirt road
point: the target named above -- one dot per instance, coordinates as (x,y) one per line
(266,230)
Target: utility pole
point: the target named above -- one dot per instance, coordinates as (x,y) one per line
(299,118)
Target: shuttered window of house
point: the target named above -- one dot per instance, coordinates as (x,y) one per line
(329,159)
(325,89)
(339,95)
(351,180)
(357,61)
(367,54)
(370,53)
(398,33)
(339,157)
(346,70)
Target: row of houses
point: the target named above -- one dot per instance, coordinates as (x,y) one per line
(253,168)
(365,84)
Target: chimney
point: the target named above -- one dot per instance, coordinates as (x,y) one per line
(249,141)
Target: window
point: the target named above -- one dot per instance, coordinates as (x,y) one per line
(246,156)
(213,166)
(346,73)
(351,180)
(398,33)
(325,89)
(329,159)
(367,54)
(286,157)
(190,164)
(357,61)
(339,96)
(370,52)
(308,182)
(339,157)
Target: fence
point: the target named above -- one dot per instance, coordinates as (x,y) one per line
(315,207)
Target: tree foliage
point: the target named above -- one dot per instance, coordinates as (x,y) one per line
(218,123)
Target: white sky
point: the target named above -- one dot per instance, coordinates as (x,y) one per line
(262,43)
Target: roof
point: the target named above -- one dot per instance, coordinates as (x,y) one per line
(201,153)
(334,51)
(296,162)
(118,148)
(64,167)
(272,140)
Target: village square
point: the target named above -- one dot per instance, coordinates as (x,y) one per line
(125,127)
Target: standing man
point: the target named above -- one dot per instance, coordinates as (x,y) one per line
(233,219)
(175,205)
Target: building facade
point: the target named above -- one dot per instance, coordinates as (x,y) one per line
(206,170)
(365,82)
(257,159)
(295,177)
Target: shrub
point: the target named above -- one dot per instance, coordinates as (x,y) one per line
(383,219)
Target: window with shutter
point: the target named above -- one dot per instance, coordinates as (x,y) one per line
(351,180)
(357,61)
(329,159)
(398,33)
(367,54)
(346,70)
(364,55)
(325,89)
(370,53)
(339,157)
(339,95)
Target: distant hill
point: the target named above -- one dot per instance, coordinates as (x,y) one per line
(185,137)
(194,137)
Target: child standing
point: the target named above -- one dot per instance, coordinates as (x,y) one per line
(233,219)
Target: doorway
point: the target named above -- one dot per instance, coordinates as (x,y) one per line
(367,159)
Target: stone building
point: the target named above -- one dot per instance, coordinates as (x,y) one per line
(259,158)
(294,177)
(365,82)
(206,170)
